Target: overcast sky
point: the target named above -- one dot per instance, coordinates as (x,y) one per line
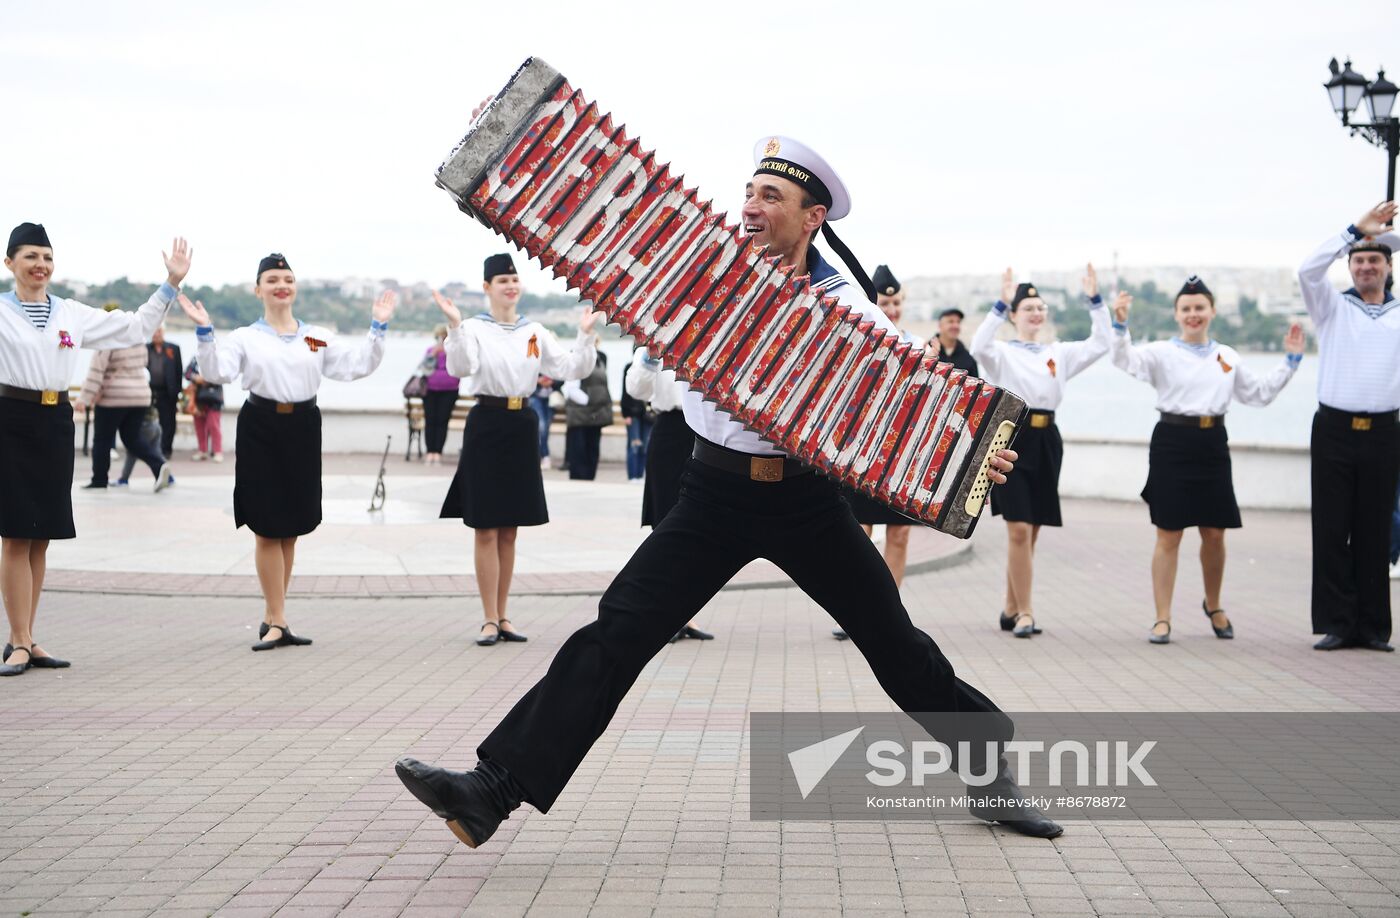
(971,136)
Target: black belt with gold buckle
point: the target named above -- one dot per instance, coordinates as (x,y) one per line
(755,468)
(47,397)
(1359,420)
(1040,419)
(511,403)
(1202,421)
(281,407)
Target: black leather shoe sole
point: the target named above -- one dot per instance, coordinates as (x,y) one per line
(1330,642)
(513,637)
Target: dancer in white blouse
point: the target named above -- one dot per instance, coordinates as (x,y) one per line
(1037,371)
(498,486)
(277,449)
(39,337)
(1189,482)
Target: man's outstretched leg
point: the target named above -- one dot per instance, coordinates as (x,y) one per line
(534,751)
(831,559)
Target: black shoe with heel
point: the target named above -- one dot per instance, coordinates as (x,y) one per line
(511,636)
(1154,638)
(284,638)
(14,669)
(39,662)
(474,803)
(1008,623)
(1223,633)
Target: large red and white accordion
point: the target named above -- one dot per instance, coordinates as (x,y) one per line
(551,172)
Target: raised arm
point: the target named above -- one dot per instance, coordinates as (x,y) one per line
(462,347)
(219,361)
(1319,296)
(1135,360)
(107,330)
(1258,391)
(578,361)
(1080,355)
(346,363)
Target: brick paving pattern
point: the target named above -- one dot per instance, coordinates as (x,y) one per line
(173,772)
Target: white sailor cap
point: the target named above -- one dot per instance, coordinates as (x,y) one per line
(1386,243)
(797,162)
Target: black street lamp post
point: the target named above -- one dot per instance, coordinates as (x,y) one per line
(1346,89)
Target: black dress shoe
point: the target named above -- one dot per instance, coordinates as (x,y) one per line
(1225,633)
(840,635)
(285,638)
(474,803)
(696,634)
(1006,804)
(514,636)
(1165,637)
(1331,642)
(486,640)
(1008,623)
(39,662)
(14,669)
(1026,630)
(1375,644)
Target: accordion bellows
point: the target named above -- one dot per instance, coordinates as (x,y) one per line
(548,170)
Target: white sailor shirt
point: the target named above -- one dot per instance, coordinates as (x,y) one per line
(1358,343)
(47,358)
(648,382)
(286,368)
(1034,371)
(719,426)
(507,360)
(1198,380)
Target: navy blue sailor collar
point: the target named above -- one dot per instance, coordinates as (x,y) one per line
(823,276)
(1382,306)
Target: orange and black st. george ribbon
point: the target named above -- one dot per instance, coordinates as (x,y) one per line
(533,348)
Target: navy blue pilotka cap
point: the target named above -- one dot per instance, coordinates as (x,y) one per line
(27,234)
(497,265)
(274,262)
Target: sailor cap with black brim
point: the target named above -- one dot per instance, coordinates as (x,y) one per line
(800,164)
(1385,243)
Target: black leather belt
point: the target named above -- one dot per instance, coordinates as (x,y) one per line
(49,397)
(1203,421)
(513,403)
(755,468)
(1358,420)
(1038,418)
(281,407)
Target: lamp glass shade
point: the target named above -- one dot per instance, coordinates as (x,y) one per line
(1353,88)
(1380,98)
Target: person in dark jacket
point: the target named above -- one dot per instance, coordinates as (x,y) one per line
(167,379)
(950,349)
(587,412)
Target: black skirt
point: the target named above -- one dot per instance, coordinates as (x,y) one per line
(277,471)
(1189,481)
(670,446)
(1032,490)
(36,466)
(498,481)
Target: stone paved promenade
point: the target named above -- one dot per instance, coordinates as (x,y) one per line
(173,772)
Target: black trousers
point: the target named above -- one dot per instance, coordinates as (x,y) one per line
(107,424)
(581,451)
(1354,475)
(165,407)
(722,522)
(437,411)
